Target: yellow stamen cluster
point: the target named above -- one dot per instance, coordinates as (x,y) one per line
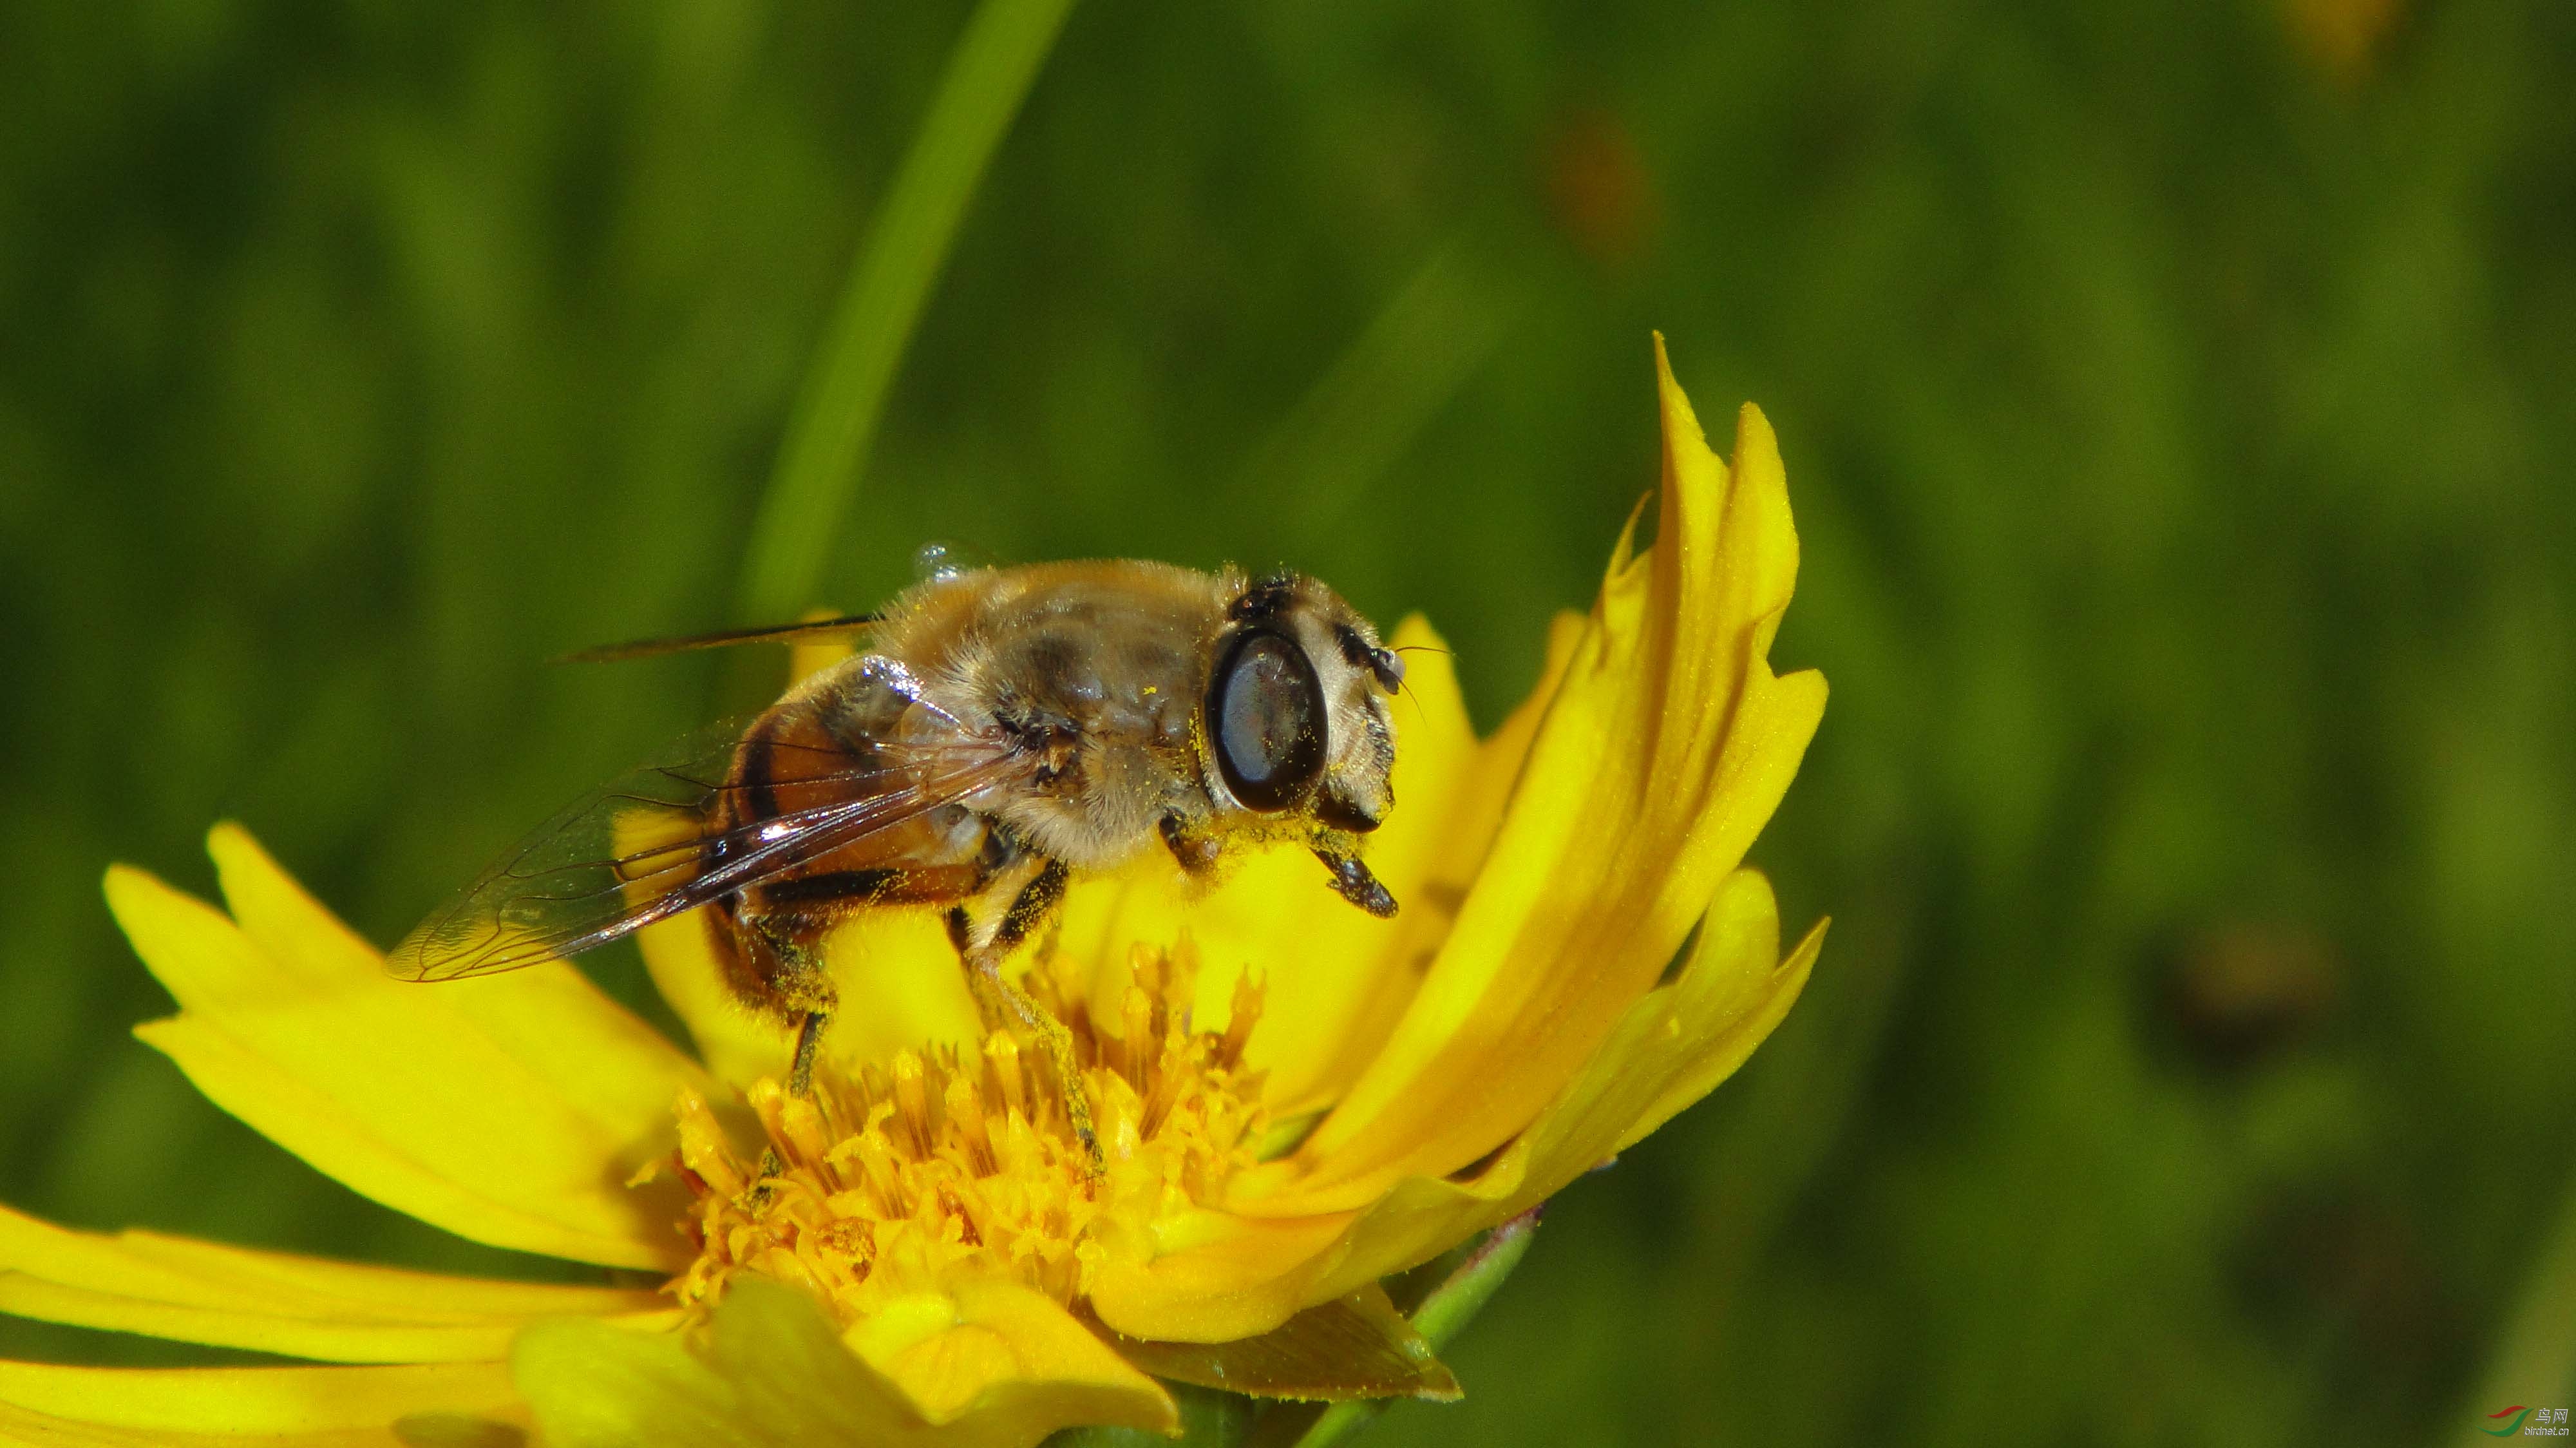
(887,1182)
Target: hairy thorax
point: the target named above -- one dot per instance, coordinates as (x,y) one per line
(1095,670)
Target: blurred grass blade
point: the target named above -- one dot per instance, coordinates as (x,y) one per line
(988,76)
(1361,415)
(2535,1358)
(1440,1318)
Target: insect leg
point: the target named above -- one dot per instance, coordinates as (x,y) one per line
(983,944)
(809,1037)
(1196,853)
(787,978)
(1353,882)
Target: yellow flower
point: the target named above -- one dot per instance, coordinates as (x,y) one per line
(1295,1100)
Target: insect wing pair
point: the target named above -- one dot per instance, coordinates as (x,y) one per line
(645,848)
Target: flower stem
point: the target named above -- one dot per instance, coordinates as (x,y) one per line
(988,76)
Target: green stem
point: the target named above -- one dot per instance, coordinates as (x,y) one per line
(988,76)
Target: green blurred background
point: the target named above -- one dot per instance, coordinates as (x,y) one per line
(2176,401)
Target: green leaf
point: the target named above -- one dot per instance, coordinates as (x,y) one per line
(988,76)
(1354,1348)
(1314,1353)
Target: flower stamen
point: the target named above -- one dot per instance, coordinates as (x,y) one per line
(887,1180)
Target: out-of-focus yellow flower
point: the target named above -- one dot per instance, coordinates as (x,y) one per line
(1294,1099)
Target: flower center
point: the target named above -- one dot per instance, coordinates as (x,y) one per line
(886,1182)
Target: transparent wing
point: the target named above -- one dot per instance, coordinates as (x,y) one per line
(644,848)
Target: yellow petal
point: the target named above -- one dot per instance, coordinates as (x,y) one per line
(591,1053)
(998,1342)
(273,1302)
(1216,1276)
(736,1044)
(1727,1002)
(1340,979)
(510,1110)
(319,1407)
(901,987)
(1496,770)
(590,1385)
(1664,750)
(1343,1043)
(815,655)
(774,1373)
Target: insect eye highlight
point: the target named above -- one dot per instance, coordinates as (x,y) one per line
(1266,718)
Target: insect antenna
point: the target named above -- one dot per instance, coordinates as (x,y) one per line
(792,633)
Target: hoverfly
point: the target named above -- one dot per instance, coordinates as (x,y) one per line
(1001,731)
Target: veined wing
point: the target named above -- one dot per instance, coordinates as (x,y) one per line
(645,847)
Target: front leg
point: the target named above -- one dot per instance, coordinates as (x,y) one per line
(1196,853)
(986,930)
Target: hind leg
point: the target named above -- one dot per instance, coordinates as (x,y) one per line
(774,962)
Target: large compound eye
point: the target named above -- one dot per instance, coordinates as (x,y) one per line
(1266,711)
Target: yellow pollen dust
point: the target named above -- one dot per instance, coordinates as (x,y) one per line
(891,1181)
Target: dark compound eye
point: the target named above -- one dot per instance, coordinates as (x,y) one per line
(1266,711)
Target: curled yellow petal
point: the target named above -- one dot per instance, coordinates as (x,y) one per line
(1215,1276)
(995,1342)
(1667,745)
(1670,1048)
